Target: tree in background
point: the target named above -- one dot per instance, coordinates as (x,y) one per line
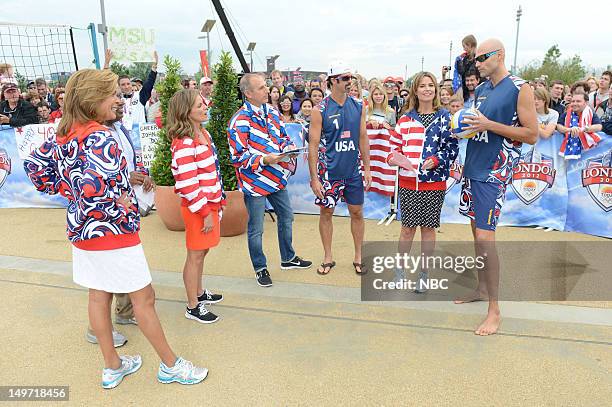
(22,81)
(140,70)
(160,167)
(136,70)
(569,70)
(225,103)
(119,69)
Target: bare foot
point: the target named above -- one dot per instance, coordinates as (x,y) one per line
(473,297)
(490,325)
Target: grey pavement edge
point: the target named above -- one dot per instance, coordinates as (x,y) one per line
(336,294)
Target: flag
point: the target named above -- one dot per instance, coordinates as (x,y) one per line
(204,63)
(383,175)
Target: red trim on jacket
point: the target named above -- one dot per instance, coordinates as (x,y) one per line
(109,242)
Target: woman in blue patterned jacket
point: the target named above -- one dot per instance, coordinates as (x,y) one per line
(86,165)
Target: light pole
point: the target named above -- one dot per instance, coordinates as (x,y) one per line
(251,48)
(519,13)
(102,27)
(207,28)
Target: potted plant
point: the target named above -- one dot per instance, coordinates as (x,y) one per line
(168,203)
(225,103)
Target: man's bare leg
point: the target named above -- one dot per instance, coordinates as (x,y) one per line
(486,247)
(357,230)
(481,293)
(326,229)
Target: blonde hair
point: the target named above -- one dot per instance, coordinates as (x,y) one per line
(469,40)
(450,91)
(179,108)
(5,68)
(85,90)
(544,96)
(356,82)
(413,100)
(371,105)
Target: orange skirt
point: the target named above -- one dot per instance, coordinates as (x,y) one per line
(194,222)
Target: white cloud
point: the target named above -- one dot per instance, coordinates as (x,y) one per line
(379,39)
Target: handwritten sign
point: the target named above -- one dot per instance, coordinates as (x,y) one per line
(149,133)
(131,44)
(30,137)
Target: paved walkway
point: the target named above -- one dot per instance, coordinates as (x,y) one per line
(305,341)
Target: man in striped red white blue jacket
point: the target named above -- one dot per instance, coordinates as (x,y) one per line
(257,137)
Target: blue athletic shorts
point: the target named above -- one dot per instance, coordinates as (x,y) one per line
(349,190)
(482,202)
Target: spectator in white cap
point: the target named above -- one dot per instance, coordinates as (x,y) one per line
(206,88)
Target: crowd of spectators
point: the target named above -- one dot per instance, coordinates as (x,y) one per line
(385,98)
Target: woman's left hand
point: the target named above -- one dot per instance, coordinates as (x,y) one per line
(428,164)
(208,223)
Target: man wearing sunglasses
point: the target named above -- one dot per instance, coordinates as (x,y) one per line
(337,136)
(506,119)
(391,89)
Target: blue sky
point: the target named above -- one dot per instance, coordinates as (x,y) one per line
(377,38)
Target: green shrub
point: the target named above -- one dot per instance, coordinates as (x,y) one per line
(225,103)
(162,160)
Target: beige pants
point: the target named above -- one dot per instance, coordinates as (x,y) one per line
(123,308)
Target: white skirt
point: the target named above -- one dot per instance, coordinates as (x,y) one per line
(122,270)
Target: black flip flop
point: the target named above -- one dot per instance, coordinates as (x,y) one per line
(361,267)
(326,265)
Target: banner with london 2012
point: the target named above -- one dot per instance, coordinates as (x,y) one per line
(546,190)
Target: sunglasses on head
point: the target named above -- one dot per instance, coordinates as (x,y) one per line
(484,57)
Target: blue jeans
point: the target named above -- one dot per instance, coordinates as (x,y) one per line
(256,206)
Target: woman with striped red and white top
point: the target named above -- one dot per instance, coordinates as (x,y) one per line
(198,182)
(423,148)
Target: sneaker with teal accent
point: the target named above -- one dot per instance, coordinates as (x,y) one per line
(183,372)
(112,377)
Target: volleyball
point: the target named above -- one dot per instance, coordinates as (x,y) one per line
(458,128)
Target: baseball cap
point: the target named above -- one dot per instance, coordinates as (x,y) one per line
(9,85)
(136,80)
(338,68)
(205,79)
(389,79)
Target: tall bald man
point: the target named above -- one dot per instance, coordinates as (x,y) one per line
(506,119)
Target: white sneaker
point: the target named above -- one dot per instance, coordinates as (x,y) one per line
(118,338)
(183,372)
(126,321)
(112,377)
(421,283)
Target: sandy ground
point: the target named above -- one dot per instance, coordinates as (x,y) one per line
(270,350)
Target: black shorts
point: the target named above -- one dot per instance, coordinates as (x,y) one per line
(421,208)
